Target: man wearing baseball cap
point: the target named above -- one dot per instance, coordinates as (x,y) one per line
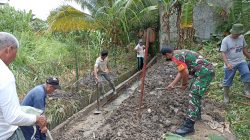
(36,97)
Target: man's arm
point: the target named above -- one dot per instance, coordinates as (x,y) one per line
(185,76)
(95,73)
(180,75)
(11,108)
(136,48)
(224,57)
(12,112)
(245,52)
(176,80)
(223,50)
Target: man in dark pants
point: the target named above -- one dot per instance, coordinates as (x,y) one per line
(140,54)
(101,71)
(190,62)
(37,98)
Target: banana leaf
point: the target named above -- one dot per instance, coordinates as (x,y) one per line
(187,15)
(247,33)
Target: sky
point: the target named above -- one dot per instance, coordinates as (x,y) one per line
(41,8)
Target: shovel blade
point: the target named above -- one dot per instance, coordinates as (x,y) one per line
(97,112)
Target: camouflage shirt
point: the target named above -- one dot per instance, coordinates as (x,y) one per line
(195,63)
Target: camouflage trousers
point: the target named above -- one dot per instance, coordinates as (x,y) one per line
(198,88)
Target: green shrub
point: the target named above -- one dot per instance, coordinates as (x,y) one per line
(14,21)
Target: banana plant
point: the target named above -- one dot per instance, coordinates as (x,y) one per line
(235,15)
(187,15)
(12,20)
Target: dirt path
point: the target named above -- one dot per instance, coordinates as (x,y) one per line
(163,112)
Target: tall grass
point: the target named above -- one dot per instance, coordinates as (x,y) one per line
(38,58)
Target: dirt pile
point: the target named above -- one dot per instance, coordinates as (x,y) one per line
(161,111)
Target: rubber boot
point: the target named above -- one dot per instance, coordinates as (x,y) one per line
(247,89)
(186,128)
(226,95)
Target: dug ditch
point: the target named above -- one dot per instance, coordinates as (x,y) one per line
(162,112)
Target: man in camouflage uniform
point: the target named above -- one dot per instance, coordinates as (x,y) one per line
(190,63)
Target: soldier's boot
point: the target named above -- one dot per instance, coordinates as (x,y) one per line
(186,128)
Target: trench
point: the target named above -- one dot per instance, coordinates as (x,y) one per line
(87,126)
(162,112)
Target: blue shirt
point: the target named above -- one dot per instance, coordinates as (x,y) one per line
(36,97)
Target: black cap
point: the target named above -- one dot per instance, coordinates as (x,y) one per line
(54,82)
(166,50)
(104,53)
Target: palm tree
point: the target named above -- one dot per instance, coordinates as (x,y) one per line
(115,17)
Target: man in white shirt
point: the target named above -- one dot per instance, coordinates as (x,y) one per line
(101,71)
(11,115)
(139,48)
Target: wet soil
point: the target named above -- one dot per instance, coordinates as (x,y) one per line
(162,111)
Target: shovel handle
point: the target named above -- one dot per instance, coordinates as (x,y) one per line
(98,96)
(49,134)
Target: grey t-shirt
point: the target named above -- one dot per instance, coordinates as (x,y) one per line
(233,48)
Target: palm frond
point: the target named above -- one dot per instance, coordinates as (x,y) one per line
(67,18)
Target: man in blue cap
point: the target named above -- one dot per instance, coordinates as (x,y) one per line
(36,98)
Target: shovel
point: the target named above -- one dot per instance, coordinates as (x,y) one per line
(49,135)
(166,88)
(98,102)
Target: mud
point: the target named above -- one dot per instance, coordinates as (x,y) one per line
(162,111)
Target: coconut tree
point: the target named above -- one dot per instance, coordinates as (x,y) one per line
(115,18)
